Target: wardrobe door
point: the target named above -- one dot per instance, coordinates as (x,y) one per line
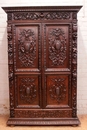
(57,66)
(27,65)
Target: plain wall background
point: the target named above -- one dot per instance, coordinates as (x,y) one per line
(82,50)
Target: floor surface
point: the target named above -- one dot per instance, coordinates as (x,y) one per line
(83,126)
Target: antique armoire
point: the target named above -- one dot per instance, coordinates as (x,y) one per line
(42,62)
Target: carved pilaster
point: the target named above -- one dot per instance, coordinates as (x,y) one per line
(11,75)
(44,46)
(74,69)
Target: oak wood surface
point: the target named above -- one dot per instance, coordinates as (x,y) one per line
(42,60)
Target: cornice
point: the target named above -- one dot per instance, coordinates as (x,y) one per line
(41,8)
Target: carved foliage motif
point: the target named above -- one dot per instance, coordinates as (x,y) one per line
(27,47)
(74,69)
(41,15)
(10,62)
(42,114)
(57,90)
(27,90)
(57,47)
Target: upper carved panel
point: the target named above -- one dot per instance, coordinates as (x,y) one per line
(57,47)
(27,47)
(41,15)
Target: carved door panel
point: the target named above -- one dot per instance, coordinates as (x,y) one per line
(27,65)
(57,65)
(42,74)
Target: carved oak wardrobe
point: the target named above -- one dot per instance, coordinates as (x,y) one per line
(42,62)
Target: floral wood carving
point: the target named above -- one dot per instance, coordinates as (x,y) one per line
(57,47)
(27,90)
(41,15)
(42,114)
(27,47)
(57,91)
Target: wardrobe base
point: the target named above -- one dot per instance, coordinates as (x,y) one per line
(43,122)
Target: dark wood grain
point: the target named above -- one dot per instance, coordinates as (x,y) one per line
(42,60)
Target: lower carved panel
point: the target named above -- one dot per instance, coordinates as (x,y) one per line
(43,113)
(28,91)
(57,90)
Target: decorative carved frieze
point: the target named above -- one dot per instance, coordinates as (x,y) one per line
(41,15)
(42,114)
(57,46)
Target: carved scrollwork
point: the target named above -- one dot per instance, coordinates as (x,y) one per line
(57,47)
(41,15)
(27,47)
(27,90)
(58,90)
